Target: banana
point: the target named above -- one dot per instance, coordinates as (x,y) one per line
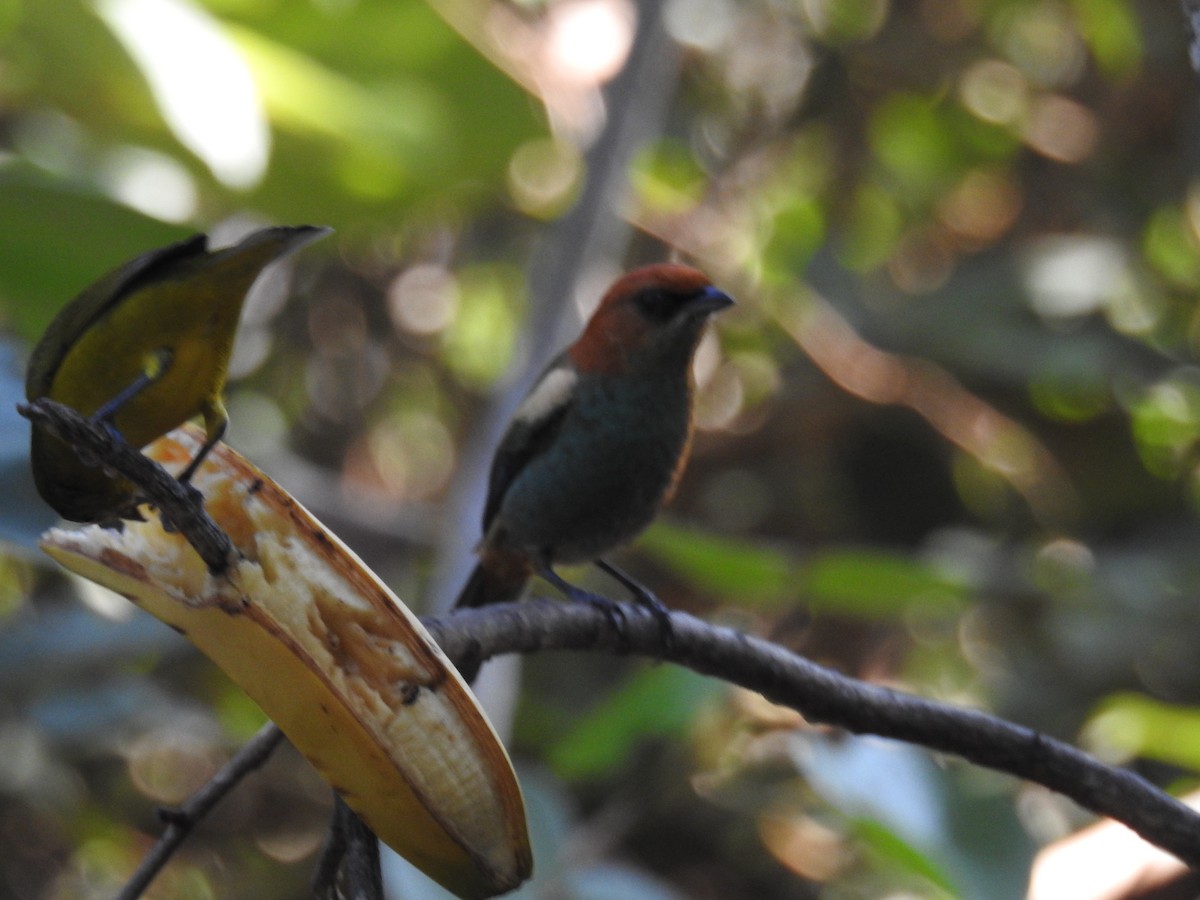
(334,658)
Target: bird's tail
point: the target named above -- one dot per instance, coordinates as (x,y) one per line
(487,584)
(490,584)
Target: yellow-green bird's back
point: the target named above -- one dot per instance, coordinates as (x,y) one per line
(167,317)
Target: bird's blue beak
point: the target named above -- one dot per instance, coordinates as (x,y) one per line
(711,300)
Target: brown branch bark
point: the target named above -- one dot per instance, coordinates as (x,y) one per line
(181,821)
(349,865)
(822,695)
(177,502)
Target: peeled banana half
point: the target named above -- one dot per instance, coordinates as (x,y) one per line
(334,658)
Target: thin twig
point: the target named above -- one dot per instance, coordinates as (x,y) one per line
(181,821)
(176,501)
(822,695)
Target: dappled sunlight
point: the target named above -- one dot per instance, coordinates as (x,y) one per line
(413,454)
(587,41)
(1061,129)
(563,56)
(1071,275)
(808,847)
(151,182)
(981,208)
(544,176)
(996,91)
(707,25)
(169,766)
(1104,862)
(423,299)
(1042,41)
(219,116)
(995,440)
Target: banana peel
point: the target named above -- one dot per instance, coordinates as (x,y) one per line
(335,659)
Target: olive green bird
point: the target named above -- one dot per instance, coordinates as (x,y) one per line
(143,350)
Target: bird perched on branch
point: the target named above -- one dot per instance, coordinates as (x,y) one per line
(598,444)
(143,350)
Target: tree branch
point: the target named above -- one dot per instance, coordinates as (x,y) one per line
(349,864)
(177,502)
(181,821)
(822,695)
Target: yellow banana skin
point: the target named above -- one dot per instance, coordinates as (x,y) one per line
(335,659)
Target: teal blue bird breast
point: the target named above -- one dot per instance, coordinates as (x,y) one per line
(628,434)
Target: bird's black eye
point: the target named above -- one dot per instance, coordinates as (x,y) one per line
(659,305)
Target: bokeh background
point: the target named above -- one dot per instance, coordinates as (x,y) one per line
(948,437)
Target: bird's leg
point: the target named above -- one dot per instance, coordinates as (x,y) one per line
(214,435)
(156,364)
(610,609)
(105,414)
(185,477)
(644,597)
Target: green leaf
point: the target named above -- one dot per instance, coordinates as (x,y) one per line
(797,232)
(1166,423)
(876,584)
(1170,245)
(911,135)
(873,228)
(1111,30)
(898,852)
(956,828)
(57,238)
(735,568)
(657,702)
(479,343)
(668,178)
(1130,725)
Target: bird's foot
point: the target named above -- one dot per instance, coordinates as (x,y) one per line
(194,495)
(645,597)
(195,499)
(662,615)
(611,609)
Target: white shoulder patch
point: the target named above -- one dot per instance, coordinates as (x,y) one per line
(551,392)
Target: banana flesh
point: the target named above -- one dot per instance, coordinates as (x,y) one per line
(335,659)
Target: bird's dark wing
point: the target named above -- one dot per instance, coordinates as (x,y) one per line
(94,302)
(532,430)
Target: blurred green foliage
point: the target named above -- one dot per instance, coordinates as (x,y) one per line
(948,438)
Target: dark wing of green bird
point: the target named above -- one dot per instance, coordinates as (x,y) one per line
(94,302)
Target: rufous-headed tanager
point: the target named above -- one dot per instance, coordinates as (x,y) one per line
(598,445)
